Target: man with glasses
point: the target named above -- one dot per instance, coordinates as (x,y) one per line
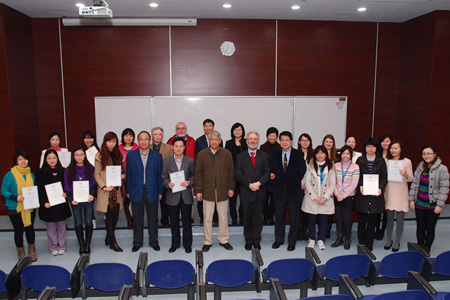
(181,131)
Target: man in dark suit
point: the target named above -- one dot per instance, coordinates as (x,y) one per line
(179,200)
(288,171)
(253,173)
(144,190)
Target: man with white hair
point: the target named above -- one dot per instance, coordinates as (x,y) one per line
(181,131)
(253,174)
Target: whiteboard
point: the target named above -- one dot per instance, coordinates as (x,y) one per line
(255,113)
(319,116)
(117,113)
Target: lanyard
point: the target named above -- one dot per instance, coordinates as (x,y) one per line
(343,174)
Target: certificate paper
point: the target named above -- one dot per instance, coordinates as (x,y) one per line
(55,193)
(370,184)
(177,178)
(81,191)
(113,175)
(64,158)
(31,197)
(394,170)
(90,153)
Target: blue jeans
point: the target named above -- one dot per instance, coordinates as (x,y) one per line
(87,209)
(312,220)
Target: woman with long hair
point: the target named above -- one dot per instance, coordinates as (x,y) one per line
(54,139)
(351,141)
(305,146)
(330,144)
(83,209)
(109,198)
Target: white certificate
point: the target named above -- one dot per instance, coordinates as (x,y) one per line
(113,175)
(394,170)
(31,197)
(370,184)
(177,178)
(55,193)
(64,158)
(90,153)
(81,191)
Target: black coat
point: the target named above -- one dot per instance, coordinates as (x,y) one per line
(371,204)
(55,213)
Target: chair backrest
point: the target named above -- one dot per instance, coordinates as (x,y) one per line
(329,297)
(170,274)
(442,264)
(2,281)
(409,295)
(354,265)
(108,277)
(38,277)
(397,265)
(290,271)
(230,272)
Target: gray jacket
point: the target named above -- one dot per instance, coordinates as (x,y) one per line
(439,183)
(170,166)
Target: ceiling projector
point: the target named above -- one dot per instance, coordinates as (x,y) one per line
(100,9)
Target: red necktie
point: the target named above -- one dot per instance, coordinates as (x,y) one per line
(252,156)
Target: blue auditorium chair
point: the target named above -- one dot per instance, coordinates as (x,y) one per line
(35,278)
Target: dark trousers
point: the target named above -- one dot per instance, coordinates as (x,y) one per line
(426,225)
(174,213)
(112,215)
(138,209)
(269,207)
(233,206)
(366,229)
(253,220)
(343,210)
(164,210)
(16,220)
(312,220)
(293,208)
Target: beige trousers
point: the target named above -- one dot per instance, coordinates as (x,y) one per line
(208,212)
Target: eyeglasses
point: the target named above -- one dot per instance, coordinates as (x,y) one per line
(427,153)
(181,128)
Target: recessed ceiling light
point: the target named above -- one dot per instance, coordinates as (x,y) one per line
(295,7)
(361,9)
(153,4)
(227,5)
(79,5)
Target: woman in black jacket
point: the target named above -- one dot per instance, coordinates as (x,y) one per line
(369,207)
(54,215)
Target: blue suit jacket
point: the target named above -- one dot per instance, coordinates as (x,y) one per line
(135,176)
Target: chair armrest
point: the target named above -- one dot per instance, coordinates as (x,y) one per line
(276,290)
(311,255)
(416,247)
(201,291)
(47,294)
(362,249)
(257,260)
(142,261)
(417,282)
(126,293)
(199,265)
(348,287)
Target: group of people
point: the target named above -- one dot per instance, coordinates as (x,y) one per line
(311,185)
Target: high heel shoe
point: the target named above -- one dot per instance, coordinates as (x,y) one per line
(388,246)
(396,249)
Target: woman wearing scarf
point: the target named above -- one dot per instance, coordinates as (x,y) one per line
(109,198)
(22,220)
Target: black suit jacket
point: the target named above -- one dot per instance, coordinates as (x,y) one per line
(291,182)
(246,173)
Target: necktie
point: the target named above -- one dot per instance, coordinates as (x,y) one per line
(252,156)
(285,163)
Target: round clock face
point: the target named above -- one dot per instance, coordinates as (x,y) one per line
(227,48)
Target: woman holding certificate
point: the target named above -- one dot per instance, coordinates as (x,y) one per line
(54,208)
(369,199)
(428,193)
(13,185)
(81,189)
(109,174)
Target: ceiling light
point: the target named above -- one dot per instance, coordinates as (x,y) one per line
(79,5)
(361,9)
(226,5)
(153,4)
(295,7)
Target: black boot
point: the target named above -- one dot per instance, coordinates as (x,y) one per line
(346,243)
(126,208)
(80,238)
(87,244)
(111,237)
(339,242)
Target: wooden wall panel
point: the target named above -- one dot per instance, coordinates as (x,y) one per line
(110,61)
(49,94)
(330,59)
(199,68)
(388,78)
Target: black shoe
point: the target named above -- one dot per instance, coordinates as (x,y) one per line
(379,234)
(156,247)
(172,249)
(339,242)
(276,245)
(188,249)
(387,247)
(346,244)
(248,247)
(114,246)
(135,248)
(396,249)
(291,247)
(206,248)
(227,246)
(257,246)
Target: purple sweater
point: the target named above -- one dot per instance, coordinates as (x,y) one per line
(79,176)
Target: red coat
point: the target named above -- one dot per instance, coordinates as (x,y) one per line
(190,145)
